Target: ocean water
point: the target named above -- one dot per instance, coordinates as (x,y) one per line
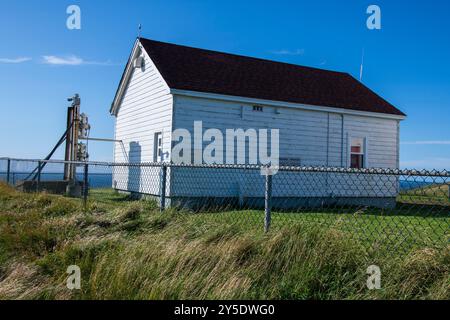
(96,180)
(410,185)
(104,180)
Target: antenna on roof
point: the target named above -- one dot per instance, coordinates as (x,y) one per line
(362,66)
(139,31)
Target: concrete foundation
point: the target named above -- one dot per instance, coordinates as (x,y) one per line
(278,203)
(74,189)
(54,187)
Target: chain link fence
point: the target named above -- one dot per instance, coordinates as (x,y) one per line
(400,208)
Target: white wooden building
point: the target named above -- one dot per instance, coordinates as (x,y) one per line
(325,118)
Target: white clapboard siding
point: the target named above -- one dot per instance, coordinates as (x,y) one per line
(145,109)
(316,138)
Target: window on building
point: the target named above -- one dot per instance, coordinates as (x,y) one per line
(357,153)
(257,108)
(158,153)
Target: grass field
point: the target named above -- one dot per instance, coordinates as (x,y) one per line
(128,250)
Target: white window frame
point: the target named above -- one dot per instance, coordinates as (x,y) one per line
(365,153)
(158,147)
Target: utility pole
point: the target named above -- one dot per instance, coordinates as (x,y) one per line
(73,118)
(68,143)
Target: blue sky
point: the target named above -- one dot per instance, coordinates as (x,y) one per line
(406,62)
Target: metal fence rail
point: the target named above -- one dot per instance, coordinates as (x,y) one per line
(401,208)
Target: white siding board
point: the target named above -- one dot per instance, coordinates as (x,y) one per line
(317,138)
(145,109)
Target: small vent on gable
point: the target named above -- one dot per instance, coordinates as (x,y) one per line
(138,63)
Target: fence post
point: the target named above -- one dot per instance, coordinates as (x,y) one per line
(162,205)
(38,184)
(85,185)
(8,171)
(448,186)
(268,200)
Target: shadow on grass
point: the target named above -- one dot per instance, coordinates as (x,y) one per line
(215,205)
(401,209)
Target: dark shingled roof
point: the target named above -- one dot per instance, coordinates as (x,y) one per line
(208,71)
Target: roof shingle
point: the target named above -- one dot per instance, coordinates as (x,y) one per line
(200,70)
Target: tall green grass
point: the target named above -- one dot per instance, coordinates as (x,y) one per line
(128,250)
